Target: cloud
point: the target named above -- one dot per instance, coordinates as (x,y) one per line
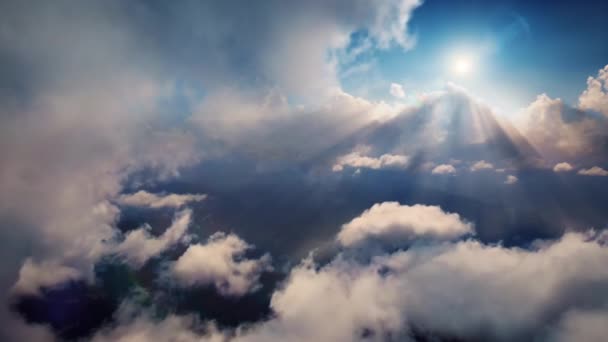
(143,198)
(396,224)
(443,169)
(562,167)
(99,96)
(463,290)
(595,97)
(220,263)
(437,290)
(557,129)
(582,325)
(511,180)
(33,276)
(397,90)
(481,165)
(264,126)
(137,328)
(552,290)
(139,246)
(594,171)
(356,160)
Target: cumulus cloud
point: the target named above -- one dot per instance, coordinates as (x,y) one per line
(34,276)
(594,171)
(462,290)
(557,129)
(443,169)
(481,165)
(84,103)
(141,326)
(397,90)
(511,180)
(221,263)
(437,290)
(562,167)
(393,223)
(139,246)
(356,160)
(143,198)
(595,97)
(88,116)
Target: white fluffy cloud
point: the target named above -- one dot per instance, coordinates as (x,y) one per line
(397,90)
(562,167)
(143,198)
(544,125)
(556,129)
(33,276)
(463,290)
(438,289)
(139,246)
(481,165)
(220,262)
(170,329)
(356,160)
(511,180)
(393,223)
(443,169)
(594,171)
(595,97)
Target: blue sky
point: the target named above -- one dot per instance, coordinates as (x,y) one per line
(525,48)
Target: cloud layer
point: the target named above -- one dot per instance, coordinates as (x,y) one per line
(552,290)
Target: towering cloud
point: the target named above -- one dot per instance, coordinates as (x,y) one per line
(595,97)
(557,129)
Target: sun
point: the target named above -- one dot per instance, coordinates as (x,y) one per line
(462,65)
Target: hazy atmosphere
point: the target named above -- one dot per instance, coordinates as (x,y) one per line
(321,170)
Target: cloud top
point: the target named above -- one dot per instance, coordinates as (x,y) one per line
(443,169)
(393,223)
(143,198)
(594,171)
(481,165)
(139,246)
(220,262)
(562,167)
(356,160)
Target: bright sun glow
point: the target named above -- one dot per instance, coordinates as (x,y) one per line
(462,65)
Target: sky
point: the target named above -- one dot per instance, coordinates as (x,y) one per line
(398,170)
